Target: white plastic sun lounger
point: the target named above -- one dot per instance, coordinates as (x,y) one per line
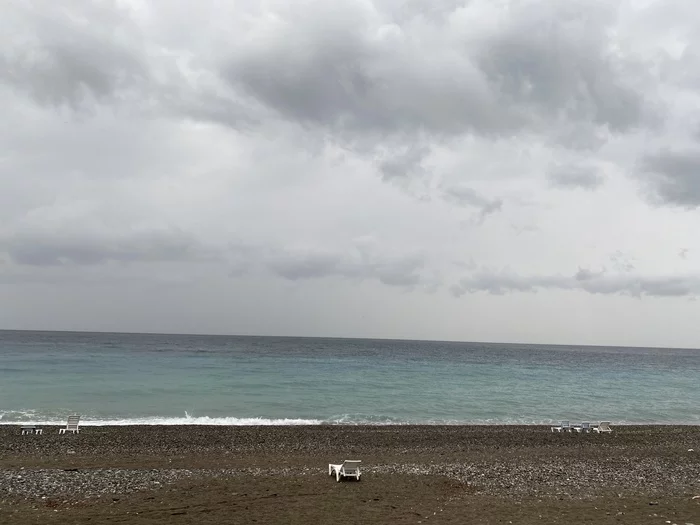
(603,427)
(350,468)
(564,426)
(71,426)
(585,427)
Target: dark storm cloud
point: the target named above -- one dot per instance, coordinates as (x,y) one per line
(500,283)
(673,177)
(56,249)
(572,177)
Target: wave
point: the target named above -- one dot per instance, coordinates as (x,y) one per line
(218,421)
(32,417)
(28,418)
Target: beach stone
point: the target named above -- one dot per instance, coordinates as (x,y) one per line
(528,460)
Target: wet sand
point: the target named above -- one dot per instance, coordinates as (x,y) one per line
(411,474)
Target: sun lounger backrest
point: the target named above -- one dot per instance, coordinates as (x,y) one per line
(351,466)
(73,422)
(604,426)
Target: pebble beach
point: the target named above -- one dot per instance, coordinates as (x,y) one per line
(411,474)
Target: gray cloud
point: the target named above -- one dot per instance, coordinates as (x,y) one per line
(371,76)
(405,271)
(66,248)
(341,76)
(554,57)
(311,266)
(406,164)
(140,138)
(66,74)
(571,177)
(63,59)
(500,283)
(353,69)
(673,177)
(206,105)
(465,196)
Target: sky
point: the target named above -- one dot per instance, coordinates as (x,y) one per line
(478,170)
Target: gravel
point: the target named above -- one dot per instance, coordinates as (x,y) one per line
(515,461)
(87,483)
(580,478)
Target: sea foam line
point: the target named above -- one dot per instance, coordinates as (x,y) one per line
(260,421)
(31,417)
(171,421)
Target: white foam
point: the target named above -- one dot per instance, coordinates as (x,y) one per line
(221,421)
(17,417)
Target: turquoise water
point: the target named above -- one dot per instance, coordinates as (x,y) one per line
(176,379)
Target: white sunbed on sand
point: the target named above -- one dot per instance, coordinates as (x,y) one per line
(350,468)
(603,427)
(71,426)
(564,426)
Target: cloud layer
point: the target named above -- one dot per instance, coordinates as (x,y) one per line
(500,283)
(423,160)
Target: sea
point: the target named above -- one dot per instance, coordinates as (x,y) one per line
(149,379)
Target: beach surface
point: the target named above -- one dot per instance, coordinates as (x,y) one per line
(411,474)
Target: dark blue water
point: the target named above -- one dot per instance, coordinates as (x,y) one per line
(175,379)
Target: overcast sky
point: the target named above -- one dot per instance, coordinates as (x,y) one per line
(481,170)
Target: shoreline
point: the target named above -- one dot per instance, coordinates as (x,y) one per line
(278,474)
(277,423)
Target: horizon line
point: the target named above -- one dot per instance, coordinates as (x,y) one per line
(344,338)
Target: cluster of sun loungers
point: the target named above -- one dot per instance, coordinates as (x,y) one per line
(603,426)
(72,426)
